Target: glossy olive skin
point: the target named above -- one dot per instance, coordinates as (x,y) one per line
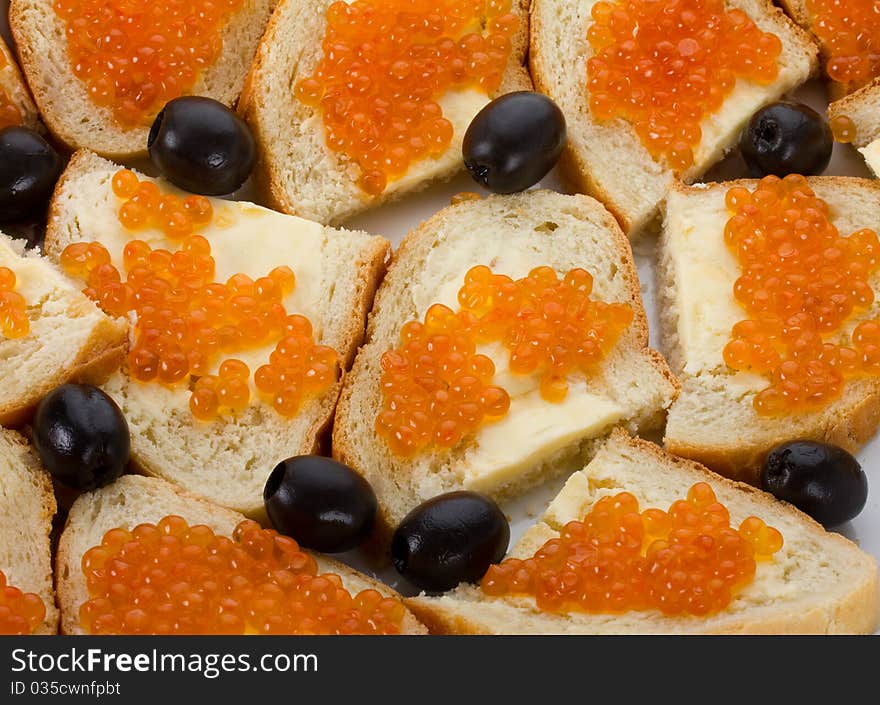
(786,138)
(514,142)
(450,539)
(29,169)
(201,146)
(321,503)
(821,480)
(82,436)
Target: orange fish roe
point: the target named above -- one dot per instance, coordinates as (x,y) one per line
(687,560)
(437,389)
(801,282)
(14,322)
(173,578)
(843,129)
(665,65)
(20,612)
(386,64)
(10,113)
(135,57)
(850,34)
(186,320)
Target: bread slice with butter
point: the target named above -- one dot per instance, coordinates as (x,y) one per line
(228,460)
(297,172)
(607,159)
(537,440)
(818,583)
(70,339)
(16,93)
(134,500)
(713,421)
(27,505)
(863,108)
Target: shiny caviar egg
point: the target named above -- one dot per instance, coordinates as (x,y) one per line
(687,560)
(29,169)
(850,34)
(20,613)
(787,138)
(801,282)
(385,67)
(664,66)
(10,113)
(844,129)
(135,57)
(14,321)
(174,578)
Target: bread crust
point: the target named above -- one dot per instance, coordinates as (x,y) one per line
(12,82)
(862,106)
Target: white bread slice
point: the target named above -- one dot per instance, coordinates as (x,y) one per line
(863,108)
(537,440)
(296,171)
(63,99)
(228,461)
(818,583)
(27,505)
(608,160)
(134,500)
(713,420)
(70,337)
(12,84)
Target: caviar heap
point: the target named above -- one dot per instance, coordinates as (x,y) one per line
(801,282)
(135,57)
(436,387)
(850,34)
(844,129)
(685,561)
(386,64)
(14,322)
(20,613)
(9,111)
(665,65)
(172,578)
(187,322)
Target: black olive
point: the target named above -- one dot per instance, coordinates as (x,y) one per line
(29,169)
(787,138)
(821,480)
(322,504)
(514,141)
(81,436)
(450,539)
(202,146)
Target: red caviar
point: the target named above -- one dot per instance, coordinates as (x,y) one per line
(687,560)
(850,34)
(14,322)
(386,64)
(801,282)
(20,613)
(10,113)
(665,65)
(173,578)
(844,129)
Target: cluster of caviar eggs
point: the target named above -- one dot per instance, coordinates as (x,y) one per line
(173,578)
(436,386)
(663,66)
(14,322)
(385,66)
(187,322)
(10,114)
(850,34)
(688,560)
(20,612)
(801,282)
(135,57)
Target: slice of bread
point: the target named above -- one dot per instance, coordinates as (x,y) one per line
(863,108)
(818,583)
(16,92)
(68,111)
(228,460)
(608,160)
(70,339)
(27,505)
(297,173)
(713,420)
(536,440)
(134,500)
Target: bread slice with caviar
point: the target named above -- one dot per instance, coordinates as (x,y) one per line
(27,505)
(65,99)
(68,338)
(16,105)
(607,159)
(297,171)
(863,109)
(536,439)
(817,583)
(714,420)
(227,460)
(133,500)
